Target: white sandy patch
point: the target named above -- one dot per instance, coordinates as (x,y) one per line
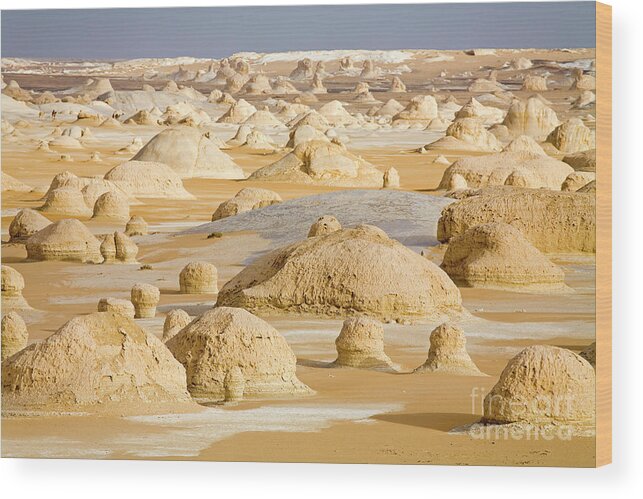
(186,435)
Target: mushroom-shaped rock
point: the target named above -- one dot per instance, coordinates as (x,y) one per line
(190,153)
(222,338)
(519,169)
(134,371)
(108,248)
(14,335)
(126,249)
(175,320)
(554,222)
(497,255)
(12,285)
(247,199)
(448,353)
(324,225)
(136,226)
(147,179)
(543,385)
(112,205)
(117,306)
(347,272)
(25,224)
(66,239)
(391,179)
(198,277)
(66,201)
(361,344)
(145,297)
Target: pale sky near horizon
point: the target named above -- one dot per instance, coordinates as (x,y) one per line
(215,32)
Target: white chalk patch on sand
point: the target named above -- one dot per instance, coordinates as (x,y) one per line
(186,435)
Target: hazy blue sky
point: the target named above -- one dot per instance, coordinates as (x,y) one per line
(220,31)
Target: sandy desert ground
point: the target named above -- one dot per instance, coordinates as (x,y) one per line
(350,415)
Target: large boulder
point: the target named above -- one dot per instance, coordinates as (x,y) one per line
(226,338)
(544,385)
(519,169)
(533,118)
(324,163)
(554,222)
(497,255)
(345,272)
(146,179)
(190,153)
(66,239)
(101,362)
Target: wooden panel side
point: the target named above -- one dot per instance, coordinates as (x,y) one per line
(603,234)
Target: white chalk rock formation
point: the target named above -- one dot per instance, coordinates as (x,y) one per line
(25,224)
(14,335)
(467,134)
(247,199)
(239,112)
(66,239)
(12,285)
(360,344)
(384,279)
(145,298)
(572,136)
(112,205)
(554,222)
(391,179)
(584,161)
(189,153)
(175,320)
(116,306)
(145,179)
(226,338)
(136,373)
(519,169)
(136,226)
(324,225)
(198,277)
(448,353)
(533,118)
(317,85)
(543,385)
(397,85)
(497,255)
(66,201)
(305,133)
(421,108)
(533,83)
(303,71)
(524,143)
(335,114)
(323,163)
(473,109)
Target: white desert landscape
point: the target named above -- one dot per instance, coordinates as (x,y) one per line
(348,256)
